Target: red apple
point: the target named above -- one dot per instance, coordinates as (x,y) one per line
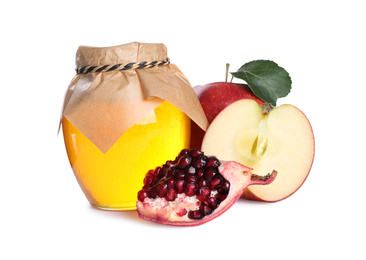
(214,97)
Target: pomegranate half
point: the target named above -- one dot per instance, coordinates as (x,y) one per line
(194,189)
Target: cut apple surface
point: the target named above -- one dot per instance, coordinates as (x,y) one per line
(281,139)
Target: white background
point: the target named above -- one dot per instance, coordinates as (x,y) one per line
(44,214)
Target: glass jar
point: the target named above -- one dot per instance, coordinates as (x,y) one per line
(115,131)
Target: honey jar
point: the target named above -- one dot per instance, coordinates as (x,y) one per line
(127,110)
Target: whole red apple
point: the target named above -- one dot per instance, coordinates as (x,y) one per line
(214,97)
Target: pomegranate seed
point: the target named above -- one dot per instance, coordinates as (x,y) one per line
(212,161)
(200,173)
(191,178)
(191,189)
(210,173)
(146,187)
(150,172)
(203,194)
(142,194)
(190,170)
(182,212)
(157,171)
(206,210)
(212,202)
(220,197)
(202,182)
(153,193)
(179,185)
(224,188)
(195,153)
(171,194)
(216,181)
(183,153)
(199,162)
(170,182)
(196,214)
(162,188)
(184,162)
(180,174)
(205,191)
(148,180)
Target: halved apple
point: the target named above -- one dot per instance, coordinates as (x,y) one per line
(281,139)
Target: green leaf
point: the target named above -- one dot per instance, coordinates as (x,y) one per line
(266,79)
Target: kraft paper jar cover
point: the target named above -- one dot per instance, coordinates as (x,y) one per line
(103,105)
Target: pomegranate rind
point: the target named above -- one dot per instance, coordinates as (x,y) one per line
(170,213)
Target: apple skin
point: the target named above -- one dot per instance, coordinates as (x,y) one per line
(214,97)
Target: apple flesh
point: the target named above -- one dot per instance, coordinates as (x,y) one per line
(281,139)
(214,97)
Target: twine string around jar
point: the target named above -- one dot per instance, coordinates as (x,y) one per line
(121,67)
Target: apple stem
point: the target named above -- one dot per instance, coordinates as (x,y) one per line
(227,71)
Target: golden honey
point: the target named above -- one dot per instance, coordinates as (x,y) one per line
(111,180)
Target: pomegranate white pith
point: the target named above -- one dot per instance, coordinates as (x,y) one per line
(194,208)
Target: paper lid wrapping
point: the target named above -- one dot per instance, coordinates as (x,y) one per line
(103,105)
